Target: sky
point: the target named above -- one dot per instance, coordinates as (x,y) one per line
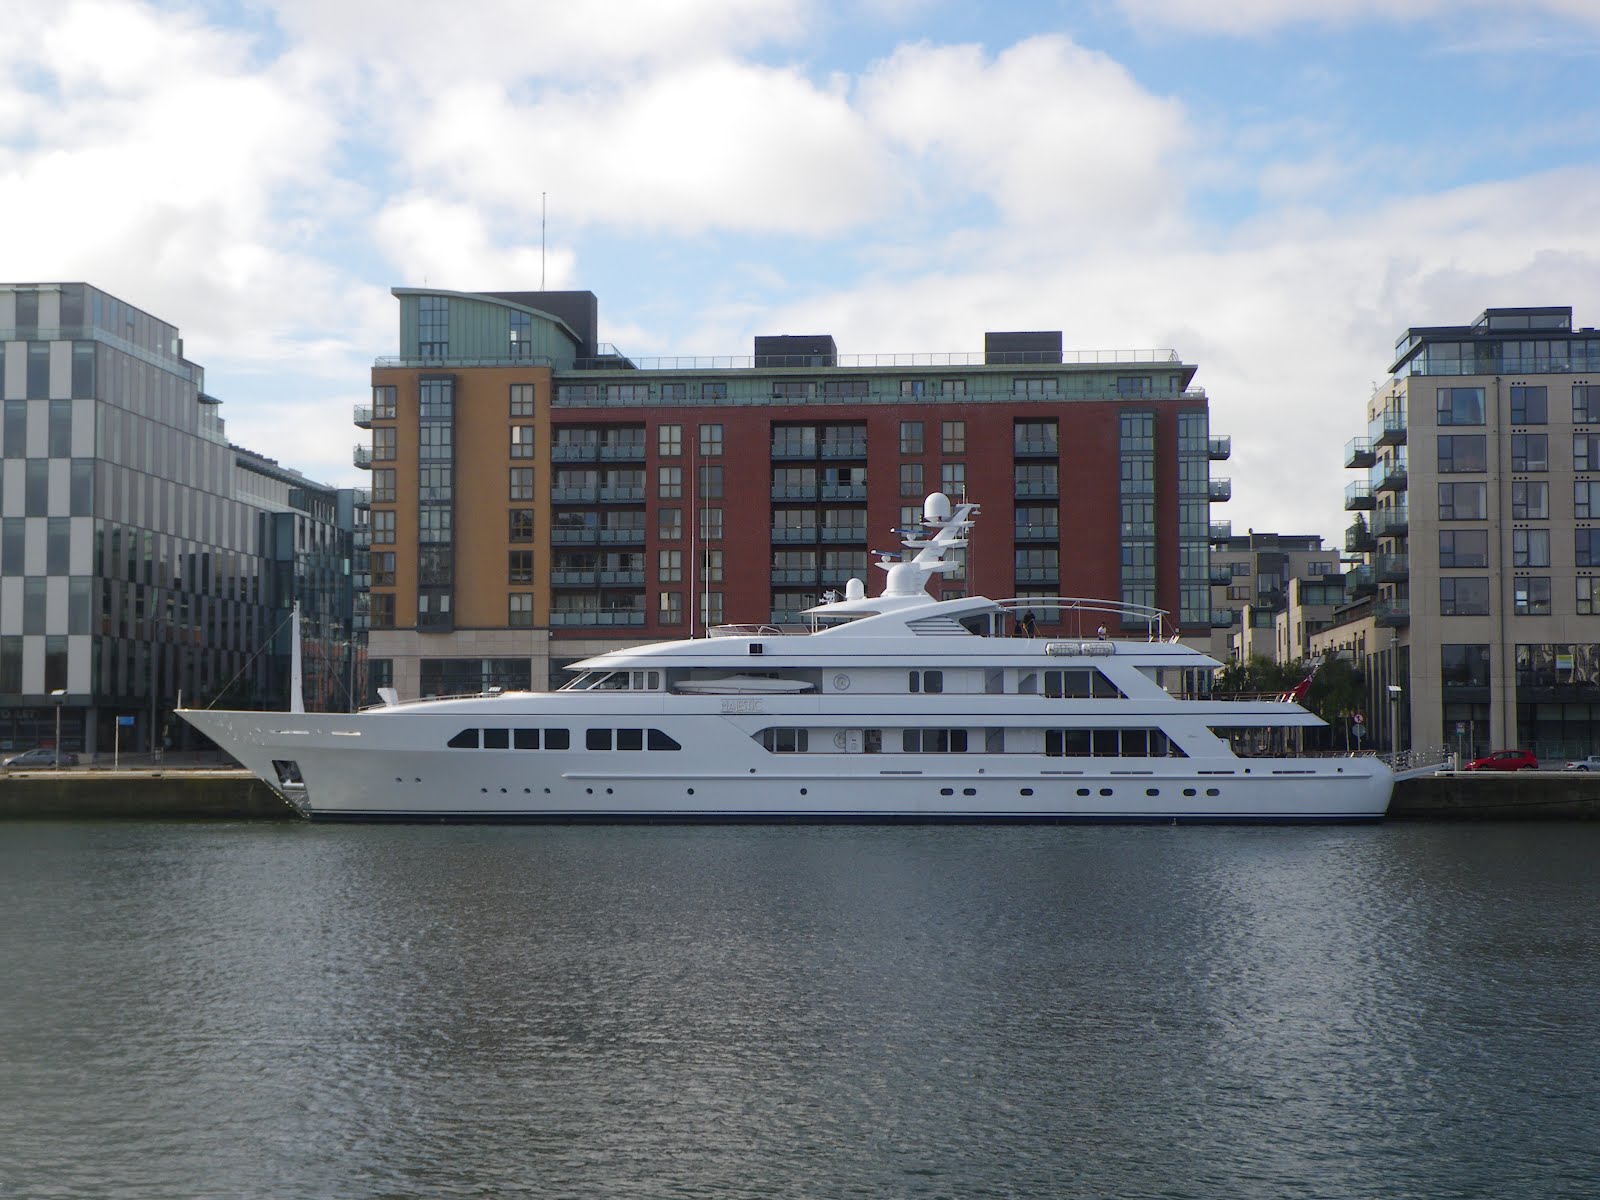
(1274,189)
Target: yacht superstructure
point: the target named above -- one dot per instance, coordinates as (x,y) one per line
(892,707)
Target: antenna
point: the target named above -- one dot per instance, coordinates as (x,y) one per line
(541,240)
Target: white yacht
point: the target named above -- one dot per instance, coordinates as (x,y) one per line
(890,707)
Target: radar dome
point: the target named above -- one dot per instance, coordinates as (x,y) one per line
(936,507)
(854,589)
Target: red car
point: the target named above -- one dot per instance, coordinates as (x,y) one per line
(1505,760)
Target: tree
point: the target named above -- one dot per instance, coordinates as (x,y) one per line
(1337,691)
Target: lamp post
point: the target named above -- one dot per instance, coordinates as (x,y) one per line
(60,697)
(1394,718)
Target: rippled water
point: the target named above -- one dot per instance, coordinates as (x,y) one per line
(291,1010)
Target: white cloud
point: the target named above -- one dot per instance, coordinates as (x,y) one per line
(1256,16)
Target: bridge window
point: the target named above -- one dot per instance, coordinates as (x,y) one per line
(927,681)
(934,741)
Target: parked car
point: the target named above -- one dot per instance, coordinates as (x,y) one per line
(1505,760)
(1592,763)
(40,756)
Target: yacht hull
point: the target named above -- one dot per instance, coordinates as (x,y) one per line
(392,765)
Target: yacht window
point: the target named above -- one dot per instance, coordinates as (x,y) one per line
(785,741)
(525,739)
(557,739)
(614,681)
(598,739)
(1080,683)
(467,739)
(660,741)
(496,739)
(934,741)
(927,681)
(630,739)
(1135,743)
(1109,743)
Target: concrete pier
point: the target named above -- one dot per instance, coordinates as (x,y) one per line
(236,795)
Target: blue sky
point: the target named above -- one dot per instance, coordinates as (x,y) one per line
(1273,188)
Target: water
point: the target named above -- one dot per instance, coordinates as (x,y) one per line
(288,1010)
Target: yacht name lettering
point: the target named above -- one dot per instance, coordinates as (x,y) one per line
(743,706)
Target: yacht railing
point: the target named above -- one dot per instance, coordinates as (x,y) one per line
(761,630)
(1073,609)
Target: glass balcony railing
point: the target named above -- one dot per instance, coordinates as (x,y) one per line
(1220,489)
(362,457)
(1358,496)
(1358,452)
(1219,448)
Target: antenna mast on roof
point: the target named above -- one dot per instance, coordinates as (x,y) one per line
(541,240)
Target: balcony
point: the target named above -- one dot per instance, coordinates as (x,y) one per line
(1050,575)
(1358,495)
(1220,489)
(1221,531)
(1221,575)
(1393,480)
(1358,539)
(622,493)
(788,576)
(573,578)
(1035,448)
(1219,448)
(1393,614)
(794,533)
(626,535)
(588,493)
(844,533)
(363,416)
(789,451)
(1358,453)
(1223,618)
(794,492)
(574,452)
(622,578)
(1037,533)
(361,497)
(854,448)
(1391,522)
(1038,489)
(844,491)
(612,617)
(1392,431)
(362,457)
(361,537)
(1393,568)
(622,451)
(569,535)
(1359,582)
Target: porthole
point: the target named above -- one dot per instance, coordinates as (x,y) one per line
(802,791)
(588,791)
(1213,792)
(947,791)
(1105,791)
(1026,792)
(1083,791)
(691,791)
(608,791)
(1189,791)
(1152,791)
(969,791)
(502,791)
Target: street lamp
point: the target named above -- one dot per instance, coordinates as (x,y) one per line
(1394,714)
(60,697)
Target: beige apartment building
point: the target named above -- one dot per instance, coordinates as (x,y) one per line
(1476,612)
(1269,593)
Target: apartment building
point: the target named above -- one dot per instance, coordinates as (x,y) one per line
(1479,526)
(538,496)
(1270,592)
(142,557)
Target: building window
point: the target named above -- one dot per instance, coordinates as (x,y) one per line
(383,568)
(380,610)
(1586,547)
(670,610)
(910,437)
(711,443)
(711,571)
(522,441)
(710,609)
(711,480)
(1135,385)
(433,326)
(953,479)
(1464,665)
(1464,501)
(1463,548)
(1462,452)
(1460,406)
(1530,451)
(1530,500)
(522,399)
(383,485)
(1463,596)
(520,609)
(710,524)
(521,336)
(522,483)
(669,566)
(952,387)
(521,525)
(1531,596)
(1585,451)
(383,402)
(714,390)
(1529,405)
(383,526)
(912,388)
(669,440)
(383,442)
(670,483)
(1588,596)
(1035,387)
(953,437)
(1585,403)
(911,479)
(1586,499)
(519,566)
(1530,547)
(671,524)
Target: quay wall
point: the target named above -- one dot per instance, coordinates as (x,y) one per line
(237,795)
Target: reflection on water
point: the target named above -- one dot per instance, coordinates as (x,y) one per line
(254,1010)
